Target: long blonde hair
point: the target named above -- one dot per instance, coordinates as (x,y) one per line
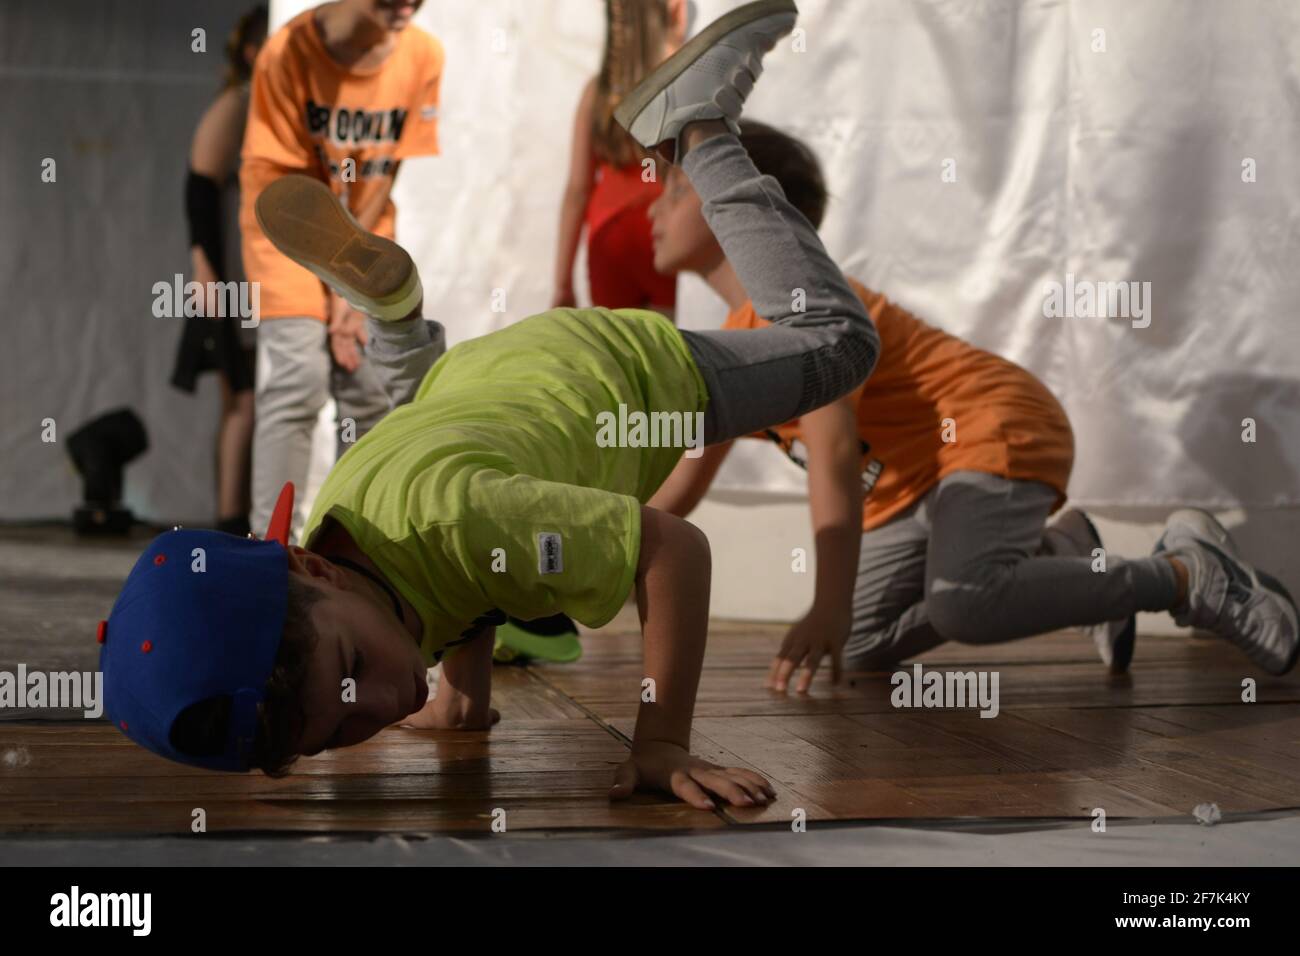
(636,32)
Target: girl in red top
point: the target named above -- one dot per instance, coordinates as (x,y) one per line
(611,180)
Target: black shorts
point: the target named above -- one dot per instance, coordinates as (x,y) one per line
(212,345)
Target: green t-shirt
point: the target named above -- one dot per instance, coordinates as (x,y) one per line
(496,488)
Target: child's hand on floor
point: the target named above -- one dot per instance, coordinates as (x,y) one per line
(817,635)
(671,769)
(433,717)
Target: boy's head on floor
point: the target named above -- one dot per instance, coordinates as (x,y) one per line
(682,238)
(235,653)
(350,666)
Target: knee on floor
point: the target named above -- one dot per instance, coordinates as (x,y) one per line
(960,610)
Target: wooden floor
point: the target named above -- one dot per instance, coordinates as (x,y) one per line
(1068,739)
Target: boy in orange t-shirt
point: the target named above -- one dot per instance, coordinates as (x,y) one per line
(343,93)
(930,484)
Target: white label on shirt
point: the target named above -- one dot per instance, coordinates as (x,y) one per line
(550,557)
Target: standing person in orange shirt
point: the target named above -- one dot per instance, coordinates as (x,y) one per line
(607,190)
(343,93)
(930,487)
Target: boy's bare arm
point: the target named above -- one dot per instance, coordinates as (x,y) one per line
(673,582)
(673,600)
(689,482)
(835,498)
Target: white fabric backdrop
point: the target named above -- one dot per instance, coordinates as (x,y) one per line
(1122,165)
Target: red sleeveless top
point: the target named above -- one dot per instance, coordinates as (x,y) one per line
(617,188)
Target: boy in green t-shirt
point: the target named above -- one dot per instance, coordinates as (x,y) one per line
(512,482)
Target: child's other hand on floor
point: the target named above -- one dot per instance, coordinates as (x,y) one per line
(819,634)
(671,769)
(461,700)
(672,588)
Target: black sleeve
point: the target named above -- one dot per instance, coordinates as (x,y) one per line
(203,211)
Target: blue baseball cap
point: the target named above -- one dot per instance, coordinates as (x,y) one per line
(200,615)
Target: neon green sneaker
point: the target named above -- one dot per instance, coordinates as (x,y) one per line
(553,639)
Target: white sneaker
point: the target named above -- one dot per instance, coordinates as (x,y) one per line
(1114,639)
(1188,525)
(709,77)
(1228,597)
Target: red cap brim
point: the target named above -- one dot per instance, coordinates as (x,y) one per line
(282,516)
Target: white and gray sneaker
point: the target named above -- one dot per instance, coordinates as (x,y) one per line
(1189,525)
(1228,597)
(709,77)
(1114,639)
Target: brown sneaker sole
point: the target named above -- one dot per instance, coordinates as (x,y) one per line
(306,222)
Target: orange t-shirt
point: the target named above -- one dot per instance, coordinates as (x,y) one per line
(1004,421)
(309,114)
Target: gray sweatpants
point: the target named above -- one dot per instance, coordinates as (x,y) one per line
(821,344)
(295,377)
(972,562)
